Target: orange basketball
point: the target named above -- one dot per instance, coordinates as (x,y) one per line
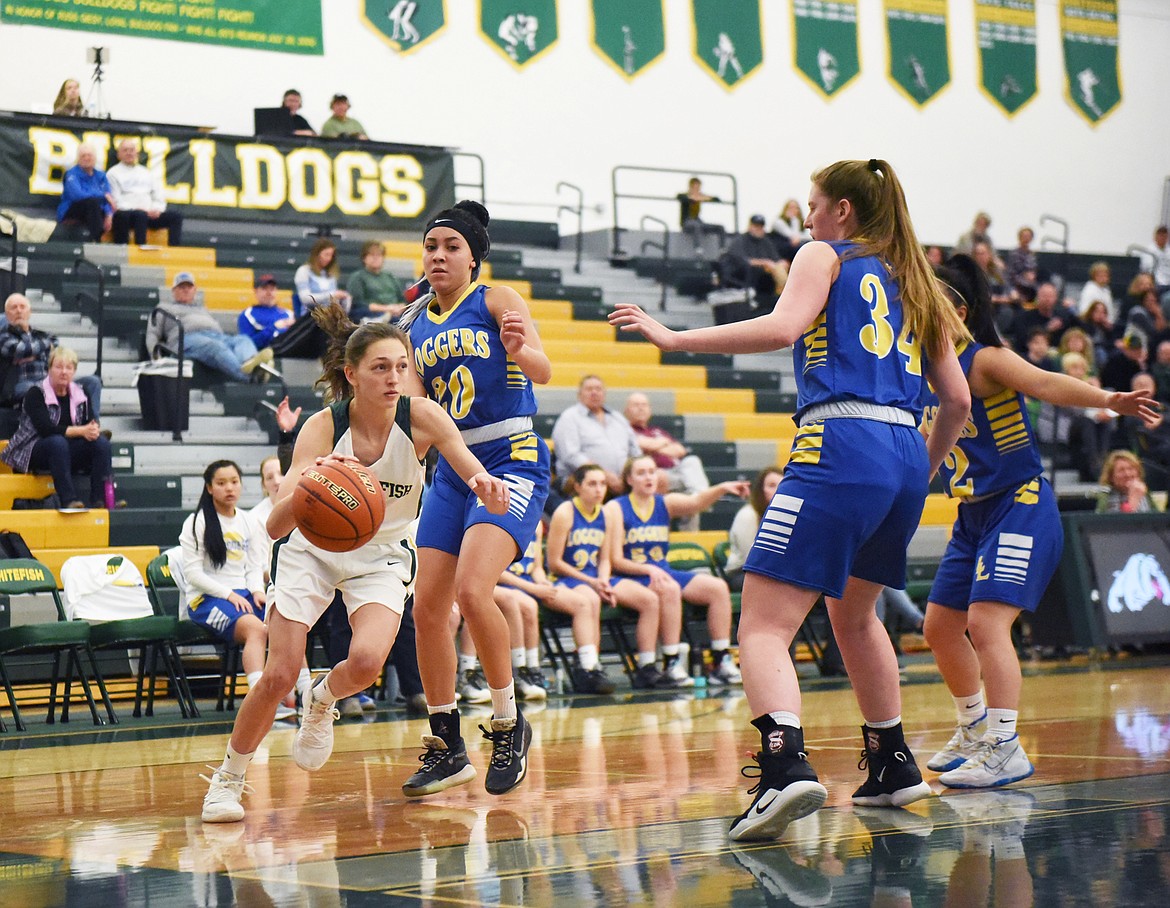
(338,508)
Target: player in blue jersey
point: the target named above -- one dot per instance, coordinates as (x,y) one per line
(640,525)
(477,354)
(869,322)
(518,593)
(1006,542)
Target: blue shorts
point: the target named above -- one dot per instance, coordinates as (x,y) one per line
(682,578)
(849,502)
(220,616)
(1003,549)
(450,508)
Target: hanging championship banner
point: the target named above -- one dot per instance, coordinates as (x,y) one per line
(824,43)
(406,25)
(916,33)
(1089,32)
(521,30)
(629,34)
(1006,32)
(727,38)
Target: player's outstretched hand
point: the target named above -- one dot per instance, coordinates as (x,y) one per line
(286,416)
(492,491)
(512,331)
(1135,403)
(628,317)
(739,488)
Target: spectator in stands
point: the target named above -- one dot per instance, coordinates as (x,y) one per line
(1020,266)
(1137,288)
(1003,295)
(24,357)
(1124,490)
(751,261)
(68,102)
(1047,312)
(1126,361)
(341,125)
(1151,440)
(315,282)
(1075,340)
(1038,351)
(590,432)
(678,469)
(788,231)
(299,126)
(139,203)
(203,339)
(1160,370)
(978,233)
(264,321)
(936,255)
(747,521)
(1097,290)
(1098,325)
(86,197)
(374,293)
(1087,431)
(59,434)
(690,206)
(1147,319)
(1159,266)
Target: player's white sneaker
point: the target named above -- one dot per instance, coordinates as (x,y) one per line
(963,745)
(222,804)
(314,741)
(994,763)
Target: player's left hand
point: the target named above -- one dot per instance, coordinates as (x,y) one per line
(512,331)
(738,488)
(628,317)
(1135,403)
(492,491)
(286,417)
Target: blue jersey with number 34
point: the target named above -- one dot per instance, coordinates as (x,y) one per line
(858,347)
(464,366)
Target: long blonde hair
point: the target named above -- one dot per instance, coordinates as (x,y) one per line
(884,231)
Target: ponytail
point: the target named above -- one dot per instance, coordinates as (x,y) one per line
(347,345)
(885,232)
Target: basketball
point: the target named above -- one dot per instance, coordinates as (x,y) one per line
(338,508)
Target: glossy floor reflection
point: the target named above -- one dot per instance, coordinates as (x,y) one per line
(626,803)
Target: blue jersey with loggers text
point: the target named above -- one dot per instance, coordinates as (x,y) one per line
(586,537)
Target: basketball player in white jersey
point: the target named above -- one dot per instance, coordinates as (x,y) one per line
(372,422)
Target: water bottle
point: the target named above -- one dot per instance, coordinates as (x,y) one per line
(559,681)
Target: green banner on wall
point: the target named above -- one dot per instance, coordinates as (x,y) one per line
(919,60)
(290,26)
(728,41)
(824,43)
(406,25)
(1089,32)
(629,34)
(1006,36)
(521,30)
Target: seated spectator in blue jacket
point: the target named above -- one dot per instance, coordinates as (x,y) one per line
(375,294)
(86,196)
(264,321)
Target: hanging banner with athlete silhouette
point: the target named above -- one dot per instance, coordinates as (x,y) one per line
(521,30)
(727,39)
(919,61)
(1088,30)
(1006,37)
(406,25)
(629,34)
(824,43)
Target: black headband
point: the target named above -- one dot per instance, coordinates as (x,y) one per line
(467,227)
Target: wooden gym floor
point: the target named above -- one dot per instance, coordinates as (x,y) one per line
(627,802)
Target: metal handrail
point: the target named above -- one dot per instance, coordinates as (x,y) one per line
(618,252)
(1138,251)
(481,185)
(664,246)
(579,211)
(176,433)
(101,306)
(12,224)
(1060,242)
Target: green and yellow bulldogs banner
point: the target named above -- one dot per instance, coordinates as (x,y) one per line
(825,43)
(727,39)
(366,184)
(1089,32)
(290,26)
(406,25)
(1006,38)
(521,30)
(919,63)
(629,34)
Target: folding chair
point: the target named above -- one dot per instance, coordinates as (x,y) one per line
(165,600)
(24,576)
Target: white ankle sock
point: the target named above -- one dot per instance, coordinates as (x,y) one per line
(322,692)
(518,657)
(532,658)
(466,663)
(253,677)
(720,645)
(782,717)
(236,764)
(303,683)
(645,659)
(971,708)
(1001,723)
(504,702)
(445,708)
(587,656)
(887,723)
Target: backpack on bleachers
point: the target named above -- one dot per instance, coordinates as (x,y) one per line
(103,588)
